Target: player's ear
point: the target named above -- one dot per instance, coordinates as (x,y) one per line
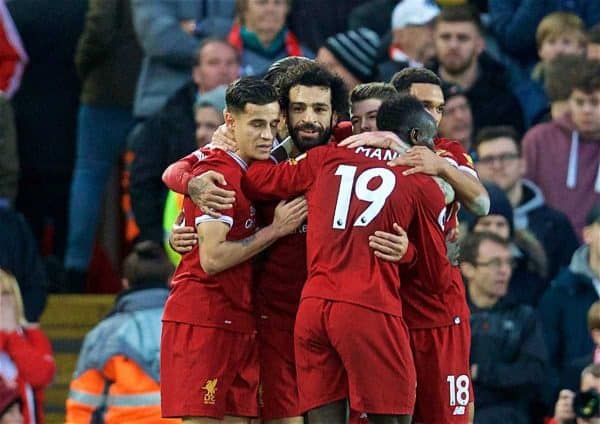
(414,135)
(229,119)
(334,119)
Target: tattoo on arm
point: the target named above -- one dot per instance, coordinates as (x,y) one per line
(245,242)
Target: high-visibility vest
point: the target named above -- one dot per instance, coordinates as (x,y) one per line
(119,393)
(173,206)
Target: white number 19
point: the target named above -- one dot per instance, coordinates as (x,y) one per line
(376,197)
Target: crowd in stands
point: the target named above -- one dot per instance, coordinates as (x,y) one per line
(94,89)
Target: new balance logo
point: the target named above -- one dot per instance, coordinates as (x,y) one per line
(459,410)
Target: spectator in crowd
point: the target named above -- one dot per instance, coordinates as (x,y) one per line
(365,100)
(375,15)
(558,34)
(593,43)
(108,62)
(570,376)
(529,275)
(10,405)
(412,37)
(508,354)
(457,120)
(170,32)
(119,361)
(26,360)
(513,22)
(351,55)
(12,65)
(563,308)
(46,108)
(261,35)
(563,156)
(559,76)
(564,412)
(208,115)
(170,134)
(460,59)
(499,160)
(19,255)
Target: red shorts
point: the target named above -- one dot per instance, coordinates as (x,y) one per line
(444,388)
(348,351)
(207,372)
(279,390)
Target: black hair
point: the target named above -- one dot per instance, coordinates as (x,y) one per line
(249,90)
(497,131)
(588,80)
(147,264)
(408,76)
(372,90)
(312,74)
(403,113)
(593,35)
(278,69)
(469,248)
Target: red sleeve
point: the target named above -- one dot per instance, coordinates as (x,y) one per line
(12,54)
(266,181)
(410,256)
(177,175)
(454,152)
(31,352)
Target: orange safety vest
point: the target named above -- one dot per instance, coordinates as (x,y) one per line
(120,393)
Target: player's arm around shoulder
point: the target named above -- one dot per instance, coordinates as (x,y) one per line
(218,254)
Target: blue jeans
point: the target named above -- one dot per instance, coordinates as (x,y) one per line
(101,136)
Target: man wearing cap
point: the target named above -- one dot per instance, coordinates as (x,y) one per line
(563,308)
(457,121)
(412,36)
(351,55)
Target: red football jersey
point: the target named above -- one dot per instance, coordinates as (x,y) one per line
(350,194)
(430,304)
(224,299)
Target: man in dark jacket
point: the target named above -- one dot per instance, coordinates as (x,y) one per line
(508,355)
(460,59)
(499,160)
(564,307)
(169,135)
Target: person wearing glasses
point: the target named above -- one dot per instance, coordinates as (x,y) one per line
(500,161)
(508,355)
(529,276)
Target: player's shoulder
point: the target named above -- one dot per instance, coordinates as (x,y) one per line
(220,160)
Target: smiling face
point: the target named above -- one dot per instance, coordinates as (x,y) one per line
(310,116)
(254,129)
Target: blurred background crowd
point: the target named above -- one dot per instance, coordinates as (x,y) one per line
(98,97)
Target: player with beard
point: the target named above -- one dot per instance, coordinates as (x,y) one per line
(311,99)
(438,317)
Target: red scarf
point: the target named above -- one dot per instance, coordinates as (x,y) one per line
(292,45)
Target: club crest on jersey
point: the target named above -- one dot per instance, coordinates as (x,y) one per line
(294,161)
(211,389)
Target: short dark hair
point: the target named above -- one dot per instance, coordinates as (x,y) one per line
(401,114)
(460,13)
(408,76)
(278,69)
(249,90)
(560,74)
(147,264)
(209,40)
(372,90)
(469,248)
(497,131)
(593,35)
(588,80)
(312,74)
